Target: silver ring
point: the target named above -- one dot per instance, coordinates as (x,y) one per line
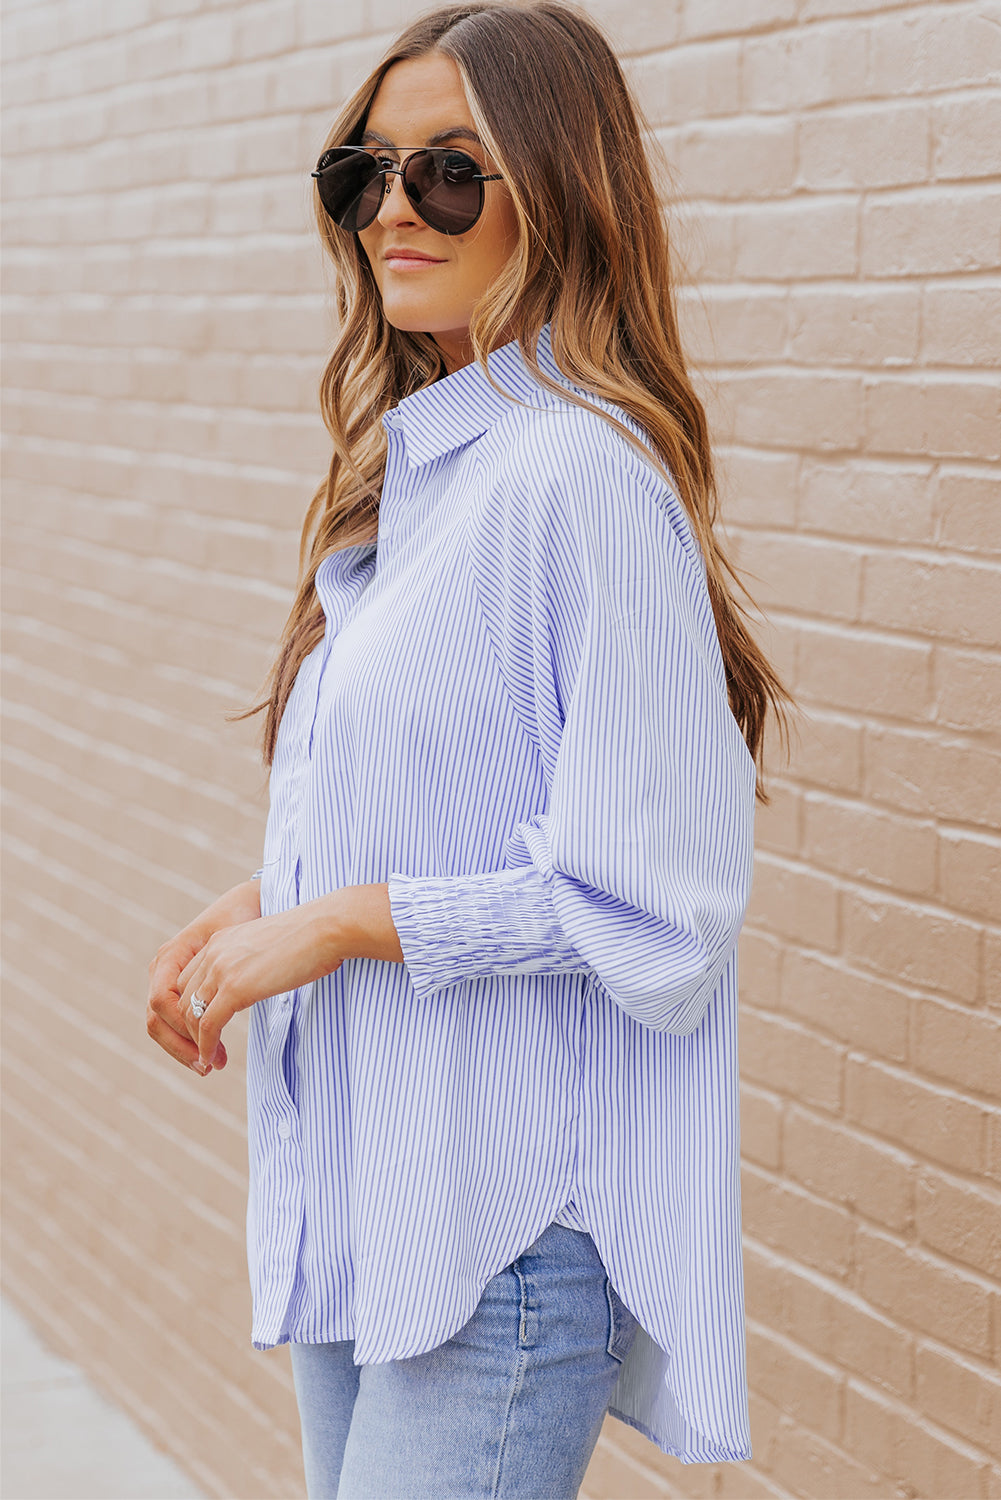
(197,1006)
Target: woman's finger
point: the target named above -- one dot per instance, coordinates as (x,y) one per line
(164,990)
(166,1021)
(178,1046)
(198,996)
(195,996)
(213,1019)
(196,962)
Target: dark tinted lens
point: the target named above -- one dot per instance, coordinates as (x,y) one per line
(445,189)
(350,186)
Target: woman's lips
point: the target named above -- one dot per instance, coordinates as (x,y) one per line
(409,260)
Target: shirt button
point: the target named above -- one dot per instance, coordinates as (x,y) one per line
(284,1130)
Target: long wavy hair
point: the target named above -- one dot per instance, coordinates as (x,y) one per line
(551,106)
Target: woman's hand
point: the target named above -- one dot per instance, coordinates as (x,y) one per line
(164,1019)
(240,965)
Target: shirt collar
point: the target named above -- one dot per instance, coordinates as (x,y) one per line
(461,407)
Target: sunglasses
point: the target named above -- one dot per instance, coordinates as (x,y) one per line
(445,186)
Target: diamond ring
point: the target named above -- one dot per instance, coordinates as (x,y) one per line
(197,1006)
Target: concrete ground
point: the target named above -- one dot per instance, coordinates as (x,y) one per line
(63,1440)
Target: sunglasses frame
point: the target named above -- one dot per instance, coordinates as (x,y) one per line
(407,156)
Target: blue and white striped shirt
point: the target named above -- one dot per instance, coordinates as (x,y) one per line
(518,717)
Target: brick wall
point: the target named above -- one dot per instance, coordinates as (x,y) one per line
(165,330)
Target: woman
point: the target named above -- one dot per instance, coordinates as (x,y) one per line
(490,958)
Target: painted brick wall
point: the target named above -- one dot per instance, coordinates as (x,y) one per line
(164,331)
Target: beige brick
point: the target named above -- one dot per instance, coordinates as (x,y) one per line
(318,25)
(960,1395)
(777,824)
(934,774)
(789,241)
(846,1004)
(851,838)
(760,960)
(794,409)
(726,328)
(263,29)
(848,1168)
(865,147)
(798,1384)
(925,1119)
(611,1467)
(947,599)
(992,1153)
(967,690)
(884,1434)
(960,1220)
(923,1292)
(868,673)
(960,325)
(801,67)
(948,418)
(765,1276)
(840,1326)
(829,751)
(917,49)
(968,509)
(851,325)
(800,573)
(788,1059)
(990,969)
(737,158)
(709,17)
(795,902)
(741,1482)
(797,1224)
(761,1126)
(970,873)
(758,488)
(696,81)
(960,1046)
(813,1467)
(704,242)
(966,134)
(927,232)
(914,945)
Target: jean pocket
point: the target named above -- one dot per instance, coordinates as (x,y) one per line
(621,1324)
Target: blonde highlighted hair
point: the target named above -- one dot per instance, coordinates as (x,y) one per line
(551,106)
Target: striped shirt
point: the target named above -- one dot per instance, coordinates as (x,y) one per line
(518,717)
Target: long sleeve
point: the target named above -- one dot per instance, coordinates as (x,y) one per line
(594,597)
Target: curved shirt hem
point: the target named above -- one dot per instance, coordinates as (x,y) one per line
(385,1354)
(708,1453)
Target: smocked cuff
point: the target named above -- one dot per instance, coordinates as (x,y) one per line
(454,928)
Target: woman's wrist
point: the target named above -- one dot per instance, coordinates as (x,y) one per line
(358,923)
(241,903)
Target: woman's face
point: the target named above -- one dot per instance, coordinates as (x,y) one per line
(430,282)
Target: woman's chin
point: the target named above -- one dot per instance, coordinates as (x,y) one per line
(413,315)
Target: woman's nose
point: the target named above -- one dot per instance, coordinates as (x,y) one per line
(396,207)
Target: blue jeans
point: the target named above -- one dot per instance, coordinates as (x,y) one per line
(508,1409)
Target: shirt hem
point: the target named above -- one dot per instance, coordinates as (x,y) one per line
(712,1453)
